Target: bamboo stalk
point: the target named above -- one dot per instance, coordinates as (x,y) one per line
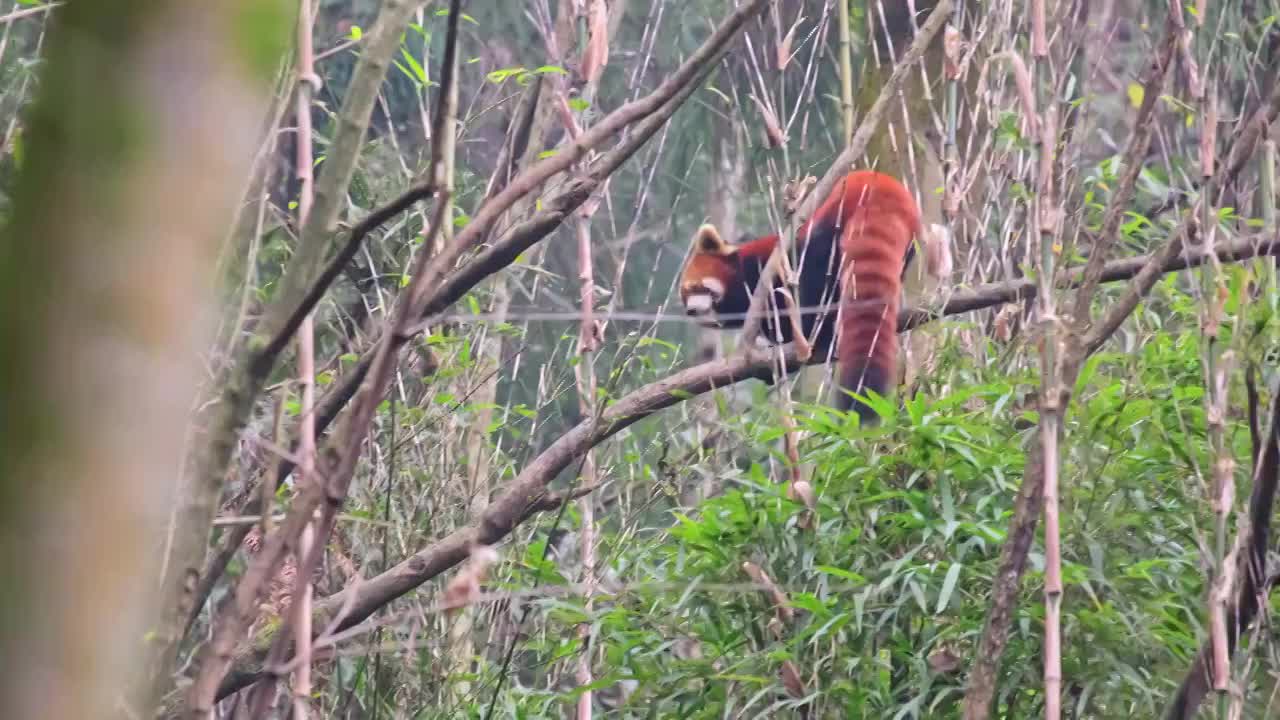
(302,596)
(1267,189)
(1043,222)
(846,72)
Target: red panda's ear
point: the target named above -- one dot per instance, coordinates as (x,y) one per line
(707,241)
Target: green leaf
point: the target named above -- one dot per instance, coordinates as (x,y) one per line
(497,76)
(1135,92)
(419,73)
(948,587)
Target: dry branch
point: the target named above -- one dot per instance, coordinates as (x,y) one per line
(503,251)
(527,494)
(302,285)
(1135,151)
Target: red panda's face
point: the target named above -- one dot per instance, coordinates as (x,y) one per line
(706,277)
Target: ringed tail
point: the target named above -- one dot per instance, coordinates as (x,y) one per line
(880,222)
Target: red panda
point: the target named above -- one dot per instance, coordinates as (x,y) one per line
(863,234)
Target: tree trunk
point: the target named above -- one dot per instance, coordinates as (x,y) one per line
(139,147)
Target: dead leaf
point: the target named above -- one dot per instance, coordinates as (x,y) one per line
(791,680)
(464,588)
(596,53)
(774,137)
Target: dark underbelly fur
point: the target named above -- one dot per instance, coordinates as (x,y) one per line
(818,287)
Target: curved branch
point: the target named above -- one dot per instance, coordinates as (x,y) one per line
(520,237)
(524,497)
(506,511)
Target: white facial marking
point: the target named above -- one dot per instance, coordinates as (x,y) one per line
(699,303)
(713,286)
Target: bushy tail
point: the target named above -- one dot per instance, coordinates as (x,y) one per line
(868,356)
(880,220)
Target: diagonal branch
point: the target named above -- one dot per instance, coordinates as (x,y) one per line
(500,253)
(302,284)
(512,507)
(1134,154)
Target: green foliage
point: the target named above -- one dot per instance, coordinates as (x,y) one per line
(892,586)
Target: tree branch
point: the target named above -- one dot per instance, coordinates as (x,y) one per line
(300,287)
(526,495)
(520,237)
(1135,153)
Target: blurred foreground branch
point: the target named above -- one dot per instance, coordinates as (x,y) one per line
(148,118)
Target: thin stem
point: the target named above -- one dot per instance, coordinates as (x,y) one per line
(306,365)
(1043,222)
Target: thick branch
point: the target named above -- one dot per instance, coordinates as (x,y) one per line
(528,490)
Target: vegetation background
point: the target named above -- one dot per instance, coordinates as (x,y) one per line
(347,375)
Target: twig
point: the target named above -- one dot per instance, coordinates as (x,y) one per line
(1135,152)
(19,14)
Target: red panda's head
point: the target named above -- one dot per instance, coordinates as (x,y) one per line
(712,273)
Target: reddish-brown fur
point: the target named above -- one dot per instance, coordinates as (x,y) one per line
(862,234)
